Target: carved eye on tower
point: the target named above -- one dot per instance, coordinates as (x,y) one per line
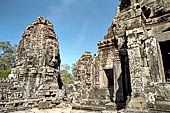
(56,57)
(146,11)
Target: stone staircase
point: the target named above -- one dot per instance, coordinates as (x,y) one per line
(99,100)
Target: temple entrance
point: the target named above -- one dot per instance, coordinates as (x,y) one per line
(109,74)
(110,80)
(124,81)
(126,84)
(165,50)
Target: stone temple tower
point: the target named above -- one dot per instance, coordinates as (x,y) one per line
(131,68)
(38,62)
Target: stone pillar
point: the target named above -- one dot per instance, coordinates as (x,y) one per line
(117,79)
(138,100)
(160,63)
(118,88)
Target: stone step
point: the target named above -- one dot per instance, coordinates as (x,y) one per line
(111,106)
(88,107)
(100,97)
(101,91)
(95,102)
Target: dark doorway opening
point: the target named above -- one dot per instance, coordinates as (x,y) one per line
(109,74)
(165,50)
(126,81)
(123,94)
(110,78)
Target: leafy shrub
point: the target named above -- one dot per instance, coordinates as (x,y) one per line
(5,73)
(66,77)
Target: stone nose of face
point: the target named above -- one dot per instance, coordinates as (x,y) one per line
(53,60)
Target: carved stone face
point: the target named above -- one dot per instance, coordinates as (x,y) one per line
(53,53)
(39,46)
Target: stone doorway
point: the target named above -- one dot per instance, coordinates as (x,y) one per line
(109,75)
(110,84)
(165,50)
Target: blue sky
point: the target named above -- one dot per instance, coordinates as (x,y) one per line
(80,24)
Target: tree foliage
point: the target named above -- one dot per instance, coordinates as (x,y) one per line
(7,57)
(73,69)
(65,67)
(5,73)
(66,76)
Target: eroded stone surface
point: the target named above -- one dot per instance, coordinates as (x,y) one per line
(132,61)
(129,71)
(36,79)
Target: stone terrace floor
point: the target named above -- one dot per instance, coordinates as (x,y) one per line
(61,110)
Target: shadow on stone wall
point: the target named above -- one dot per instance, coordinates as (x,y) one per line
(124,81)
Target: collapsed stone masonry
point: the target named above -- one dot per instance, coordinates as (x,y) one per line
(35,82)
(131,68)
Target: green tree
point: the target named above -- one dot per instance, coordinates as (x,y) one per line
(66,76)
(5,73)
(65,67)
(7,57)
(73,69)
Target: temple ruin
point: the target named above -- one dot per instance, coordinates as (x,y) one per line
(130,71)
(35,82)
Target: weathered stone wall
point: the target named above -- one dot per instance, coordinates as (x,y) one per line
(132,52)
(129,71)
(35,82)
(83,77)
